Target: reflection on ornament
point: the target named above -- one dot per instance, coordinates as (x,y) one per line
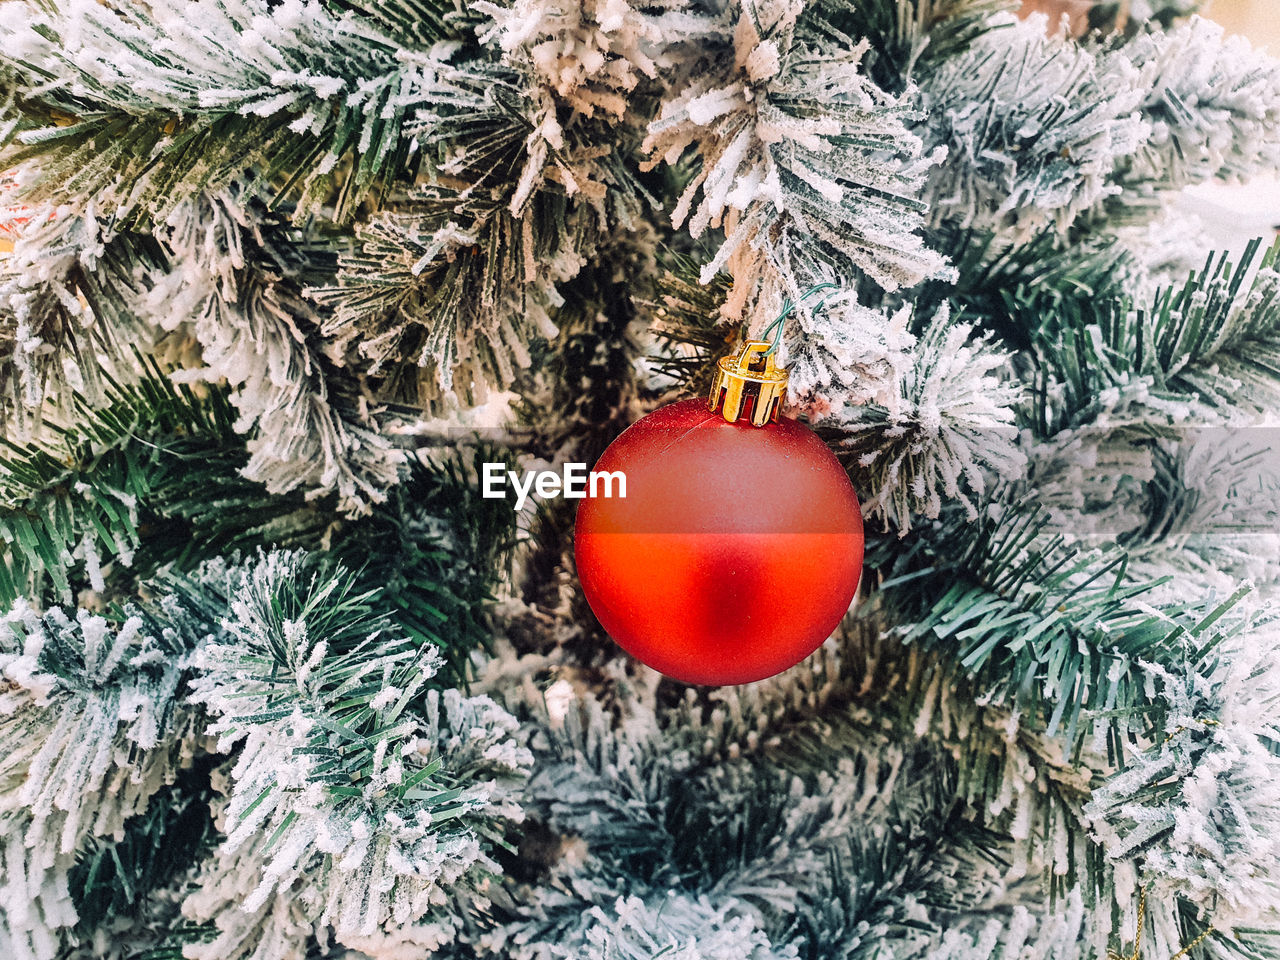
(738,548)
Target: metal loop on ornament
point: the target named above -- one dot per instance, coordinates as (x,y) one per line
(751,381)
(751,378)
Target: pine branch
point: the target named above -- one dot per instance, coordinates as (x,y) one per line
(940,430)
(592,61)
(351,768)
(805,162)
(311,660)
(287,611)
(1210,344)
(1197,808)
(415,23)
(1033,129)
(457,277)
(438,295)
(77,498)
(113,877)
(166,105)
(67,296)
(780,847)
(93,724)
(495,128)
(1023,792)
(688,323)
(1014,289)
(1212,506)
(909,38)
(1070,646)
(237,275)
(1214,106)
(1218,337)
(433,549)
(1011,783)
(154,479)
(1048,632)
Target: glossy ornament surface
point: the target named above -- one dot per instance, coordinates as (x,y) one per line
(736,551)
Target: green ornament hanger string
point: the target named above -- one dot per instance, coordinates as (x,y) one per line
(788,307)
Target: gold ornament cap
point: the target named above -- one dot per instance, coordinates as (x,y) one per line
(749,379)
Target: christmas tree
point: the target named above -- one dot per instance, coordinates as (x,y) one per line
(280,681)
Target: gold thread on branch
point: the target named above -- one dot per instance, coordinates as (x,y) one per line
(1206,723)
(1193,944)
(1137,937)
(1142,896)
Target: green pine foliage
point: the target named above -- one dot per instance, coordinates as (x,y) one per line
(1052,633)
(909,37)
(349,765)
(692,333)
(1207,344)
(96,724)
(427,293)
(149,126)
(51,291)
(79,493)
(277,682)
(1014,290)
(116,876)
(152,481)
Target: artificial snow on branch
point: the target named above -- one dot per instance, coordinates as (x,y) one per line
(174,98)
(68,296)
(359,795)
(1196,813)
(1213,103)
(232,288)
(947,433)
(1033,128)
(844,353)
(429,289)
(802,159)
(93,722)
(591,55)
(1203,351)
(754,856)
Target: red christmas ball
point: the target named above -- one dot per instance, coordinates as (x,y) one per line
(735,552)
